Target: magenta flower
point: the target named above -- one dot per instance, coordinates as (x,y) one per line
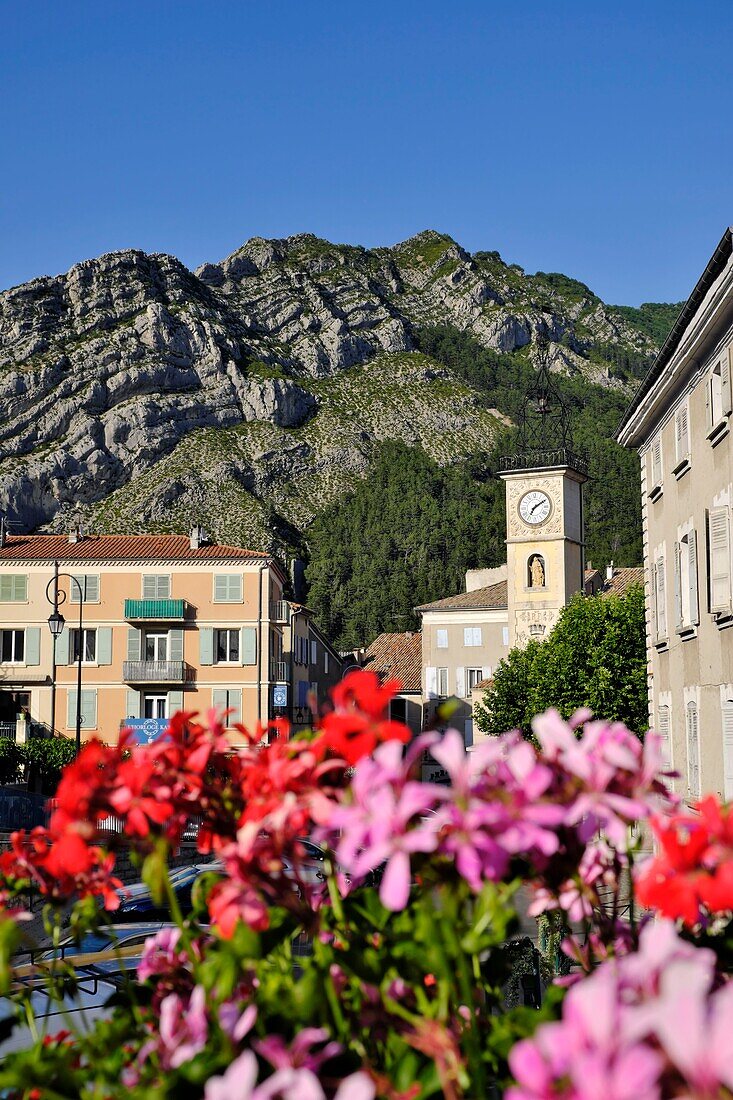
(240,1083)
(183,1027)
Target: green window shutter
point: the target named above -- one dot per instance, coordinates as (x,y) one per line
(13,587)
(133,644)
(104,645)
(235,701)
(249,645)
(89,708)
(206,645)
(89,584)
(62,647)
(133,704)
(175,702)
(175,643)
(220,588)
(71,708)
(227,587)
(33,645)
(219,698)
(149,587)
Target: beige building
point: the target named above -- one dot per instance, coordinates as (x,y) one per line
(679,421)
(463,639)
(169,622)
(310,664)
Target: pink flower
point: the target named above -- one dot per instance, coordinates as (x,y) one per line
(183,1028)
(300,1053)
(240,1083)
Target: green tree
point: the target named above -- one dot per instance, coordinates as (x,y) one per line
(595,657)
(45,757)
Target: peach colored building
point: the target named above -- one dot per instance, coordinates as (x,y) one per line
(169,622)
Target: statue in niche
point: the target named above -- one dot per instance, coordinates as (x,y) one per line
(536,572)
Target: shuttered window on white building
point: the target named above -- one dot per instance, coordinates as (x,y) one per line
(660,601)
(656,462)
(665,733)
(682,434)
(693,751)
(719,557)
(727,716)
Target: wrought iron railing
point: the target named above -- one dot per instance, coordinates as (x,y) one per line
(9,730)
(280,611)
(280,671)
(532,460)
(155,672)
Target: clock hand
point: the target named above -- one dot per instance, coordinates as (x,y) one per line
(534,508)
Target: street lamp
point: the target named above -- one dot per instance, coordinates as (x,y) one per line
(56,623)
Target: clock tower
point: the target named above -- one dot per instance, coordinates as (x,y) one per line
(544,513)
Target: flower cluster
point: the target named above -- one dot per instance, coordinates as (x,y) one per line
(691,877)
(564,810)
(649,1025)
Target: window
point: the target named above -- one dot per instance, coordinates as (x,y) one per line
(656,470)
(12,646)
(682,439)
(685,582)
(87,708)
(314,653)
(89,584)
(472,635)
(719,558)
(227,588)
(719,397)
(505,635)
(325,660)
(659,590)
(156,647)
(229,699)
(89,651)
(441,638)
(693,751)
(155,706)
(473,677)
(226,646)
(13,587)
(398,710)
(664,731)
(156,586)
(443,683)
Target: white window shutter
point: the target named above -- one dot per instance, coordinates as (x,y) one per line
(661,600)
(663,729)
(655,600)
(467,635)
(175,642)
(693,751)
(150,588)
(719,548)
(728,748)
(486,672)
(133,643)
(133,703)
(505,635)
(692,577)
(677,585)
(681,433)
(314,653)
(460,682)
(725,387)
(249,645)
(656,462)
(431,682)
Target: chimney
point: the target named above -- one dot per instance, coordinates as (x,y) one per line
(199,537)
(76,534)
(609,572)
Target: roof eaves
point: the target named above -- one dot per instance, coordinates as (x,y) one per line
(715,266)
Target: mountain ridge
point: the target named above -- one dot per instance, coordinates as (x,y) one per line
(256,391)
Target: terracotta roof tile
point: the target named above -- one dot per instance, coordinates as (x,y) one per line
(623,580)
(493,597)
(397,657)
(100,548)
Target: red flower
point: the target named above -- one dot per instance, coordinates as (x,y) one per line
(361,690)
(692,875)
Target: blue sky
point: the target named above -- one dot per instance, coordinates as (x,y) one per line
(588,138)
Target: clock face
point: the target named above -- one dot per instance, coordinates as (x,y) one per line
(535,507)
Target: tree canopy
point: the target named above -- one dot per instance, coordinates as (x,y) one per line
(595,657)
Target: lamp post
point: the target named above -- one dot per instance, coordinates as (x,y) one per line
(56,622)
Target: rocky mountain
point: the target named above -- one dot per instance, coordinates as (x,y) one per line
(250,394)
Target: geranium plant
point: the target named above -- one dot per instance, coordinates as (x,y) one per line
(385,976)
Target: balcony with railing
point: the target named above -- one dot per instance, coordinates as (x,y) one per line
(280,611)
(281,672)
(156,672)
(155,610)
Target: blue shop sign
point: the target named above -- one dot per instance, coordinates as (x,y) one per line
(280,695)
(146,730)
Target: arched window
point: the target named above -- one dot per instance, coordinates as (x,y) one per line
(536,573)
